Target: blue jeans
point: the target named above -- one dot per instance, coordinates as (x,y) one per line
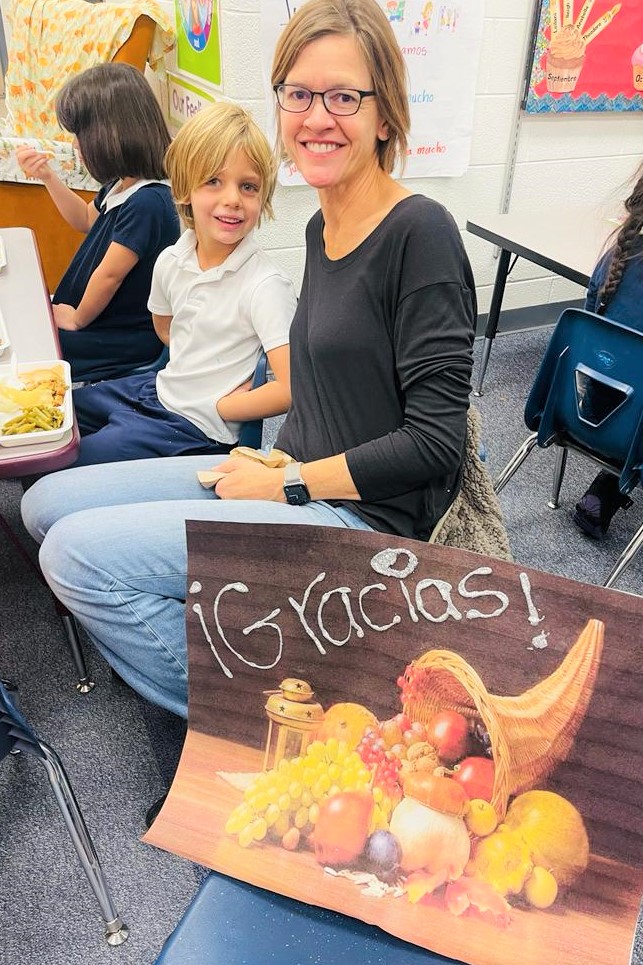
(114,552)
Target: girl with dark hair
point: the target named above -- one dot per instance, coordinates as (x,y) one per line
(615,289)
(100,305)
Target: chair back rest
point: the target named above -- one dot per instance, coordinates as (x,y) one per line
(251,432)
(15,732)
(588,392)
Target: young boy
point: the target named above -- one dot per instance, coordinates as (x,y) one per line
(217,300)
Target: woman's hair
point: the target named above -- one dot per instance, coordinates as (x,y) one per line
(366,21)
(202,146)
(622,251)
(117,121)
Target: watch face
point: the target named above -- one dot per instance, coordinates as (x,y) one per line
(296,494)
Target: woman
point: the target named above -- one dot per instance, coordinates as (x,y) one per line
(615,289)
(387,293)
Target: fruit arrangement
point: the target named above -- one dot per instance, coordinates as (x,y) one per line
(411,802)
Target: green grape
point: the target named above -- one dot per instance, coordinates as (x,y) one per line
(234,823)
(245,837)
(281,825)
(306,798)
(301,817)
(309,776)
(284,802)
(313,813)
(259,829)
(272,814)
(295,789)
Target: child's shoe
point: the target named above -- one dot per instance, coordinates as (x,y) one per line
(595,509)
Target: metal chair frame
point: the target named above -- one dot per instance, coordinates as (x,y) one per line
(545,410)
(16,735)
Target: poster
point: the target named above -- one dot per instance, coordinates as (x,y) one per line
(441,44)
(364,710)
(587,56)
(198,47)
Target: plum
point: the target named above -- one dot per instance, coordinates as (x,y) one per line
(382,855)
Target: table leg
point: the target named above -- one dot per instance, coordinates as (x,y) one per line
(494,315)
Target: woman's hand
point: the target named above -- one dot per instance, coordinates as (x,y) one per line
(33,163)
(247,479)
(66,317)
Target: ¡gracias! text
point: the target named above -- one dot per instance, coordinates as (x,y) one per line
(430,599)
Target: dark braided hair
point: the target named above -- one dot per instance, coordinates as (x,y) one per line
(621,252)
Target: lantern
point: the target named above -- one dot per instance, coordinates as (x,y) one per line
(296,715)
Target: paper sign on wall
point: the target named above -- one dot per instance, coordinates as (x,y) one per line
(441,46)
(587,56)
(198,46)
(445,745)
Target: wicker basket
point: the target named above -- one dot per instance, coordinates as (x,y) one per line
(530,733)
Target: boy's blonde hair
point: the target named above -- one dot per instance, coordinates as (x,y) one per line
(202,146)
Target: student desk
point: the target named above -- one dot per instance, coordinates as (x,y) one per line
(565,240)
(26,308)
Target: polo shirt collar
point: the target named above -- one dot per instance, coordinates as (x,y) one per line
(114,197)
(185,249)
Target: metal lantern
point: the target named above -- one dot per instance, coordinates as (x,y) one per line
(296,715)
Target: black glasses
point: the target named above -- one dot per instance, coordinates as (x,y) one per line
(343,101)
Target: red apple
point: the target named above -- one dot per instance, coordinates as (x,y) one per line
(342,827)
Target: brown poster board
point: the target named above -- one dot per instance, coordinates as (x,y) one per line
(546,674)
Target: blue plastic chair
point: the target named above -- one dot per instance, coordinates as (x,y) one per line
(588,397)
(251,432)
(16,735)
(236,923)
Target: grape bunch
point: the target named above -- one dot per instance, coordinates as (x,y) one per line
(283,803)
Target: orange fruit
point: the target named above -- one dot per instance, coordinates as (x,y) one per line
(346,722)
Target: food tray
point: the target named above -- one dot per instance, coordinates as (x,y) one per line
(33,438)
(4,335)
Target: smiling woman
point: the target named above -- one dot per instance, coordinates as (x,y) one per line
(387,292)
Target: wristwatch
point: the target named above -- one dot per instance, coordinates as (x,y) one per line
(295,489)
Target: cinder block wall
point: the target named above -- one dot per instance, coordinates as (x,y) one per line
(560,159)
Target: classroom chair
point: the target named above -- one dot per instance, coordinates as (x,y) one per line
(16,736)
(588,397)
(239,924)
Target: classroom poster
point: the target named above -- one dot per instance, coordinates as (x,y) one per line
(441,44)
(198,47)
(441,744)
(587,56)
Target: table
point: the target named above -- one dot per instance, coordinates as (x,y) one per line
(567,240)
(26,308)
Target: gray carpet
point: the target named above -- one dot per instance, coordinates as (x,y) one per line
(120,752)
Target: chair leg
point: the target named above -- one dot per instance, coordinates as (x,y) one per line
(626,557)
(84,684)
(116,932)
(559,472)
(515,462)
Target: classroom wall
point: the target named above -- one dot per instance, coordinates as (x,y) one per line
(560,159)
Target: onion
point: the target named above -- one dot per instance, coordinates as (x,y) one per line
(429,839)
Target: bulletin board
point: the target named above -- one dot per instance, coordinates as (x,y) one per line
(586,55)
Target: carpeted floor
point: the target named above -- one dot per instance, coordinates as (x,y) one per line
(120,752)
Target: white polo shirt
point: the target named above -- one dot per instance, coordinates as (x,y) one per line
(221,320)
